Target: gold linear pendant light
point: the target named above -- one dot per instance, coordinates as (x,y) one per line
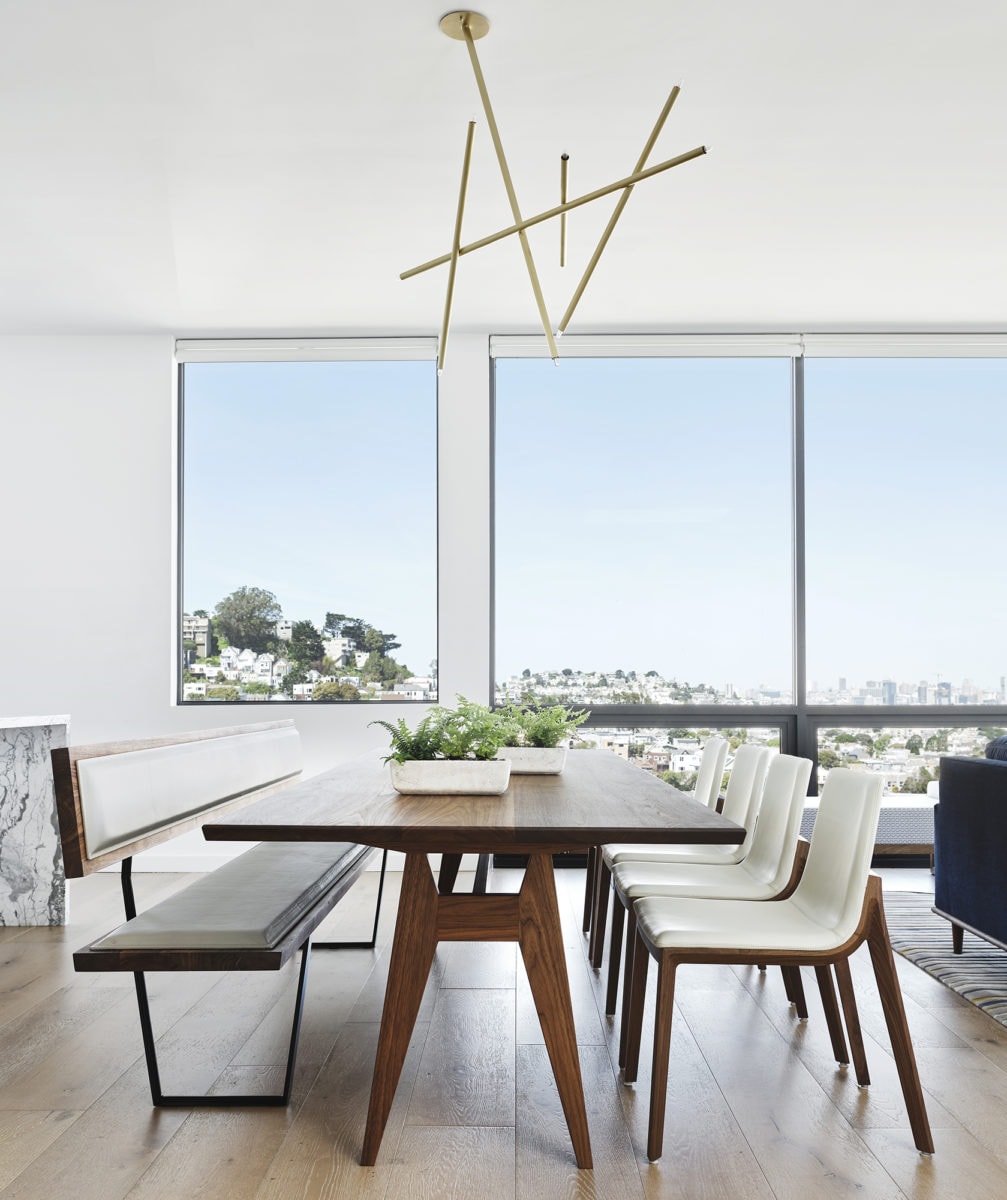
(469,27)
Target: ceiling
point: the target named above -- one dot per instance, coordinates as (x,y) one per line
(225,167)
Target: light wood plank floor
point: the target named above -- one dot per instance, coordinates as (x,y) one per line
(757,1107)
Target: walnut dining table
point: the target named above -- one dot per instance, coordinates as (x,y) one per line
(598,798)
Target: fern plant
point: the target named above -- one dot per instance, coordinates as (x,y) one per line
(469,730)
(538,725)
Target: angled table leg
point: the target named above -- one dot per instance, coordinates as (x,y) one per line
(411,958)
(541,941)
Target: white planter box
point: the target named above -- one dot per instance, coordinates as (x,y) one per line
(451,777)
(534,760)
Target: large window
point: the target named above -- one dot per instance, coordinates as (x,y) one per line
(905,501)
(642,510)
(810,531)
(308,498)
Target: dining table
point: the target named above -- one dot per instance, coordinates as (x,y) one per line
(598,798)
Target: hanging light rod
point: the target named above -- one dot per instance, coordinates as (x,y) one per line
(469,27)
(559,209)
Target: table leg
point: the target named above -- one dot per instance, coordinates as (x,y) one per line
(541,941)
(412,955)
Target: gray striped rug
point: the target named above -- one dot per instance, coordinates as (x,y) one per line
(979,973)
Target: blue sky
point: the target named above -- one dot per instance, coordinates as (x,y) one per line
(317,482)
(642,510)
(667,482)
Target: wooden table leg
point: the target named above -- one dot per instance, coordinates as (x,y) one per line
(412,954)
(541,941)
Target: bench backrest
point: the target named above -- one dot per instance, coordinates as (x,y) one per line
(117,798)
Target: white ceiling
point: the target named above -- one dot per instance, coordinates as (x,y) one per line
(236,166)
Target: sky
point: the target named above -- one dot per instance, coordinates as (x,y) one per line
(317,482)
(668,547)
(642,511)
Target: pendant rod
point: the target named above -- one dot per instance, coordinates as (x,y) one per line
(629,180)
(641,162)
(536,287)
(455,246)
(564,162)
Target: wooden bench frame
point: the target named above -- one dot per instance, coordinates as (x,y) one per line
(140,960)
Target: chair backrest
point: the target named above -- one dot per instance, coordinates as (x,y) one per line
(711,772)
(745,784)
(831,891)
(773,844)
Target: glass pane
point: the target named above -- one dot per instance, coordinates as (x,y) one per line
(642,516)
(671,754)
(309,531)
(905,501)
(906,757)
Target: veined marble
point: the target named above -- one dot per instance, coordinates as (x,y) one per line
(32,882)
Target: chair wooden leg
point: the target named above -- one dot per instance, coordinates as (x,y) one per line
(592,867)
(852,1017)
(627,983)
(895,1018)
(615,954)
(795,990)
(957,938)
(602,887)
(827,991)
(787,983)
(633,1000)
(662,1051)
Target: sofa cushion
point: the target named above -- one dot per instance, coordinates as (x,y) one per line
(997,748)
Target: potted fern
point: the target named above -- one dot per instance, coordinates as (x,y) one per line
(533,735)
(451,752)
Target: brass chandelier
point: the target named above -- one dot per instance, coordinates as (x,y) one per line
(469,27)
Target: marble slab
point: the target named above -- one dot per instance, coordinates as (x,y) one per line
(32,883)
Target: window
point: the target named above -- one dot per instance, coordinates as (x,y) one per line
(907,757)
(308,560)
(642,510)
(808,527)
(904,498)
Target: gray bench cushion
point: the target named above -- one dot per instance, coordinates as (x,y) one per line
(249,903)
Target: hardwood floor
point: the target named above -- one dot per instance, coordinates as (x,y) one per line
(757,1108)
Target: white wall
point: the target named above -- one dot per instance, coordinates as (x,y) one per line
(86,605)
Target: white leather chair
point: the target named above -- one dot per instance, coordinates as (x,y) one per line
(765,873)
(836,907)
(744,790)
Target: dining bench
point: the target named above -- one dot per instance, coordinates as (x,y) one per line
(253,913)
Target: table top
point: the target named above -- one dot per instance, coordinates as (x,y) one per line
(598,798)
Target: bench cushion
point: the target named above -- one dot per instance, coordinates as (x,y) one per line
(249,903)
(124,797)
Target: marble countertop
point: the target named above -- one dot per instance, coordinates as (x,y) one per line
(28,722)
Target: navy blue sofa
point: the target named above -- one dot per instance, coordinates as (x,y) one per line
(970,848)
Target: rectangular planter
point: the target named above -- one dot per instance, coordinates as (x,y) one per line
(451,777)
(534,760)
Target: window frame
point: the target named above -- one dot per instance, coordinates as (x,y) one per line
(280,350)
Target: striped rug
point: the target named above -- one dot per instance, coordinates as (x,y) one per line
(979,973)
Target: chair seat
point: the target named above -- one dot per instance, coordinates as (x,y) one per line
(687,923)
(620,852)
(729,881)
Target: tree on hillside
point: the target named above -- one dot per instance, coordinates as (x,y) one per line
(305,645)
(247,619)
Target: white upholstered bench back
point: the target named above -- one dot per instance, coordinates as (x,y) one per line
(115,801)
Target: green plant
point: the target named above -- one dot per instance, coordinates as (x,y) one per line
(469,730)
(538,725)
